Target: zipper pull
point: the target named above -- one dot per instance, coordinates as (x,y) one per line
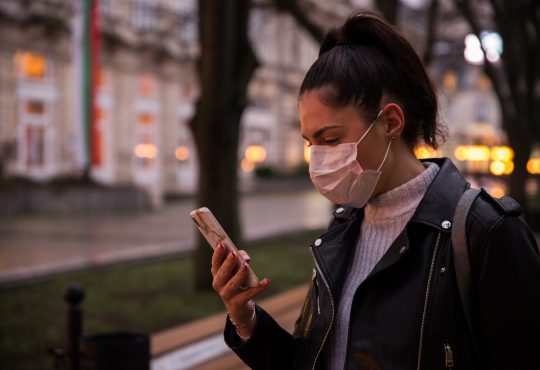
(448,356)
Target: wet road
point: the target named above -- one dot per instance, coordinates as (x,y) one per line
(36,246)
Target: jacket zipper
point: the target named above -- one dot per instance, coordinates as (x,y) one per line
(426,300)
(448,356)
(331,302)
(316,287)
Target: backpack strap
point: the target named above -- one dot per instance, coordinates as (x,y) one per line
(462,265)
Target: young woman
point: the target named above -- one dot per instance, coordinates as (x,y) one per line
(384,293)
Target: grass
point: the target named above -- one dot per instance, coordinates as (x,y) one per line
(142,297)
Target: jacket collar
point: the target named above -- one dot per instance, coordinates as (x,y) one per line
(441,198)
(439,202)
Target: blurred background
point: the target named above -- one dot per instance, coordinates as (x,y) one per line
(118,117)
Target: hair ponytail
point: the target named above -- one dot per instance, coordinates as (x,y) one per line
(367,59)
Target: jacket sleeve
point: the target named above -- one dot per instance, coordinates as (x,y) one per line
(269,348)
(508,297)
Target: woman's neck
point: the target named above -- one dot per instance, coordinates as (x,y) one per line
(401,166)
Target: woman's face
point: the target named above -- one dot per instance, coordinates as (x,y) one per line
(324,125)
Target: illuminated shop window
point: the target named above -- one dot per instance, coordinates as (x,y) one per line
(145,151)
(30,65)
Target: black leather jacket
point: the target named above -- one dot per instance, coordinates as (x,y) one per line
(407,313)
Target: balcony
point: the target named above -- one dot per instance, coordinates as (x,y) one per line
(148,24)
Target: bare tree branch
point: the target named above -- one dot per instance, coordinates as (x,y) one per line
(465,7)
(294,9)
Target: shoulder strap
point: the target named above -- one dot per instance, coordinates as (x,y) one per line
(462,264)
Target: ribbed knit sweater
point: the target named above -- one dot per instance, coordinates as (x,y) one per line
(385,216)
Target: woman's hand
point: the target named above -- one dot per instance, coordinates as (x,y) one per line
(227,282)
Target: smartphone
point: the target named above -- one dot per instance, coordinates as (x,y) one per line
(214,233)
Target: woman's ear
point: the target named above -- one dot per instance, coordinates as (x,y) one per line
(395,119)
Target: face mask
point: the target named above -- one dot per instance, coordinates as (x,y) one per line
(338,176)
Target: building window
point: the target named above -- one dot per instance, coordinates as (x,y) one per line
(30,65)
(146,124)
(35,144)
(146,86)
(34,107)
(34,132)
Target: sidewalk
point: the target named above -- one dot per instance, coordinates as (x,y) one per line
(34,246)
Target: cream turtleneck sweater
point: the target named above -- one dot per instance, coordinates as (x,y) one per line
(385,217)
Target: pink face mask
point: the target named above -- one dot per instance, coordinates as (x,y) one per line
(338,176)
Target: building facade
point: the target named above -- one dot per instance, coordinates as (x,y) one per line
(145,92)
(147,88)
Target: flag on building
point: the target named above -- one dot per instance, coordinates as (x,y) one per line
(86,40)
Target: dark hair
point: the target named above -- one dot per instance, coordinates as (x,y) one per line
(366,60)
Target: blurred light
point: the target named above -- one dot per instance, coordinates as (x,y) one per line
(461,153)
(497,168)
(497,191)
(450,81)
(478,153)
(531,186)
(483,82)
(146,151)
(473,53)
(502,153)
(533,166)
(255,153)
(472,153)
(247,166)
(307,152)
(32,65)
(508,167)
(145,118)
(424,151)
(492,44)
(182,153)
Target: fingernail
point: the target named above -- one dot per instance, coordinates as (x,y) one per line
(265,282)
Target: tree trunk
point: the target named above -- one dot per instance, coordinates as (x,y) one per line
(225,67)
(517,180)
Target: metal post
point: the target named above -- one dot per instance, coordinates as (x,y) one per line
(74,295)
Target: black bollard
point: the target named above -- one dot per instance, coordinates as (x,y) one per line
(74,295)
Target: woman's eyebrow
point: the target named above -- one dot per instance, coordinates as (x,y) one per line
(321,131)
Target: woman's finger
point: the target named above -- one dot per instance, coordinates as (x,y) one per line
(220,252)
(225,271)
(245,255)
(244,296)
(232,287)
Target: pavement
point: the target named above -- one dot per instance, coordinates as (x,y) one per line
(36,246)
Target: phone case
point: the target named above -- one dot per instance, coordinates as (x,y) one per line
(214,233)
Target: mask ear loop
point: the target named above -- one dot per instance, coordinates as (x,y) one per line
(385,154)
(370,126)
